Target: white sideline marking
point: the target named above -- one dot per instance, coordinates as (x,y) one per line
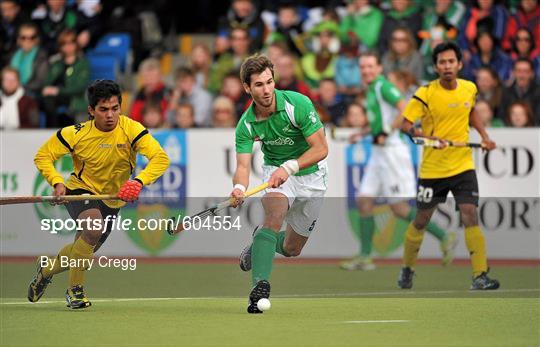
(115,300)
(375,321)
(405,292)
(286,296)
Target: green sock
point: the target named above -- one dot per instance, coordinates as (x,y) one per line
(262,254)
(431,228)
(279,244)
(367,229)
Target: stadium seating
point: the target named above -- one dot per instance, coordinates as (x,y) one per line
(102,65)
(118,45)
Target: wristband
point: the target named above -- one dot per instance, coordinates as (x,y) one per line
(240,186)
(291,166)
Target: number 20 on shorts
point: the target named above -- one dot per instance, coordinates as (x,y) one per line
(424,194)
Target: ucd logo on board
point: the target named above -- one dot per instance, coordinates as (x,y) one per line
(164,198)
(389,231)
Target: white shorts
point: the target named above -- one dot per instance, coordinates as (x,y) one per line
(306,196)
(389,174)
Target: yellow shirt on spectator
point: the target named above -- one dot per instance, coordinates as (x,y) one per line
(444,113)
(102,161)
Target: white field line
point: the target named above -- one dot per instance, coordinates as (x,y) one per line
(374,321)
(406,292)
(286,296)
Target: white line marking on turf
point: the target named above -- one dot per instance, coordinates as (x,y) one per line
(286,296)
(375,321)
(408,292)
(116,300)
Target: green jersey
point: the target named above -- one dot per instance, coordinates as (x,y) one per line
(381,99)
(283,134)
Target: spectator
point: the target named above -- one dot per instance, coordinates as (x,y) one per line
(12,18)
(288,29)
(186,91)
(152,116)
(89,22)
(29,59)
(527,16)
(520,115)
(485,113)
(223,113)
(276,50)
(16,109)
(230,61)
(355,117)
(488,55)
(402,54)
(451,13)
(331,100)
(184,117)
(440,24)
(232,88)
(201,61)
(242,14)
(485,15)
(403,14)
(153,89)
(320,62)
(523,45)
(489,87)
(286,77)
(322,112)
(523,89)
(63,95)
(329,14)
(536,65)
(405,82)
(348,78)
(53,19)
(361,15)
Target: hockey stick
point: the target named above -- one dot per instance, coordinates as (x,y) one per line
(178,226)
(344,135)
(427,142)
(11,200)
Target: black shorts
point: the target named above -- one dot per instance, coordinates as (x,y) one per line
(433,191)
(75,208)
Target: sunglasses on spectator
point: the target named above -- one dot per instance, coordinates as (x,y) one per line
(29,38)
(523,38)
(399,39)
(67,42)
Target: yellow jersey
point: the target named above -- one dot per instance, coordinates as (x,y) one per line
(444,113)
(102,161)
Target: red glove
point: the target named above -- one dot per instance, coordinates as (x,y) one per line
(130,190)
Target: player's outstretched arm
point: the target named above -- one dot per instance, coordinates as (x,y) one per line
(318,149)
(241,177)
(476,123)
(158,160)
(55,148)
(398,121)
(408,128)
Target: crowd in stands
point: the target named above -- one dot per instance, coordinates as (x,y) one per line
(315,50)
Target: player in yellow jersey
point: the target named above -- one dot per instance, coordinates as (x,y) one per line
(445,110)
(103,151)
